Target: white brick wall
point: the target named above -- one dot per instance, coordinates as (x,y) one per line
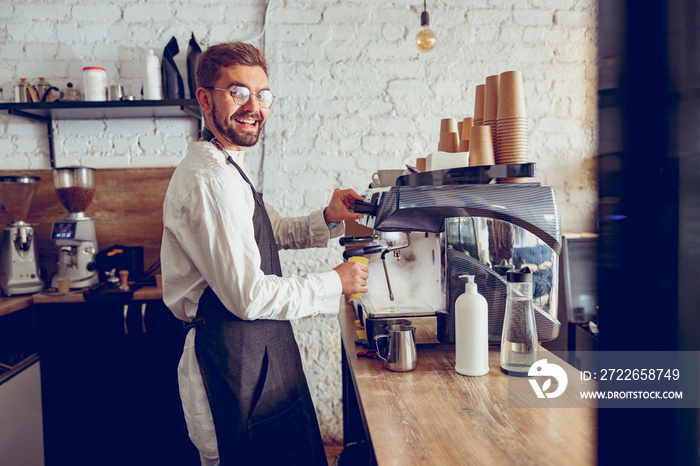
(354,95)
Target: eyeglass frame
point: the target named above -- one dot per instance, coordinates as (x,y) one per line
(230,91)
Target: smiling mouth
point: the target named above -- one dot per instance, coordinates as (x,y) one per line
(250,123)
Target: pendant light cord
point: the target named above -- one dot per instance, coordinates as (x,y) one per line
(262,31)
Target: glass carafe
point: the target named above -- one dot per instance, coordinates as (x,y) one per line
(519,341)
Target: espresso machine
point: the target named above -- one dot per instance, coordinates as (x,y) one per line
(19,258)
(75,235)
(469,224)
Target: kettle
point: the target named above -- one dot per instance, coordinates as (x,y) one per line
(43,90)
(22,91)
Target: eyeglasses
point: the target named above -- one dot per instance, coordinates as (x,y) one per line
(241,94)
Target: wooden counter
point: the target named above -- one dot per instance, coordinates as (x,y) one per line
(142,294)
(434,416)
(12,304)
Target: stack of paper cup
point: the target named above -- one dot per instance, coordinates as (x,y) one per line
(491,95)
(467,125)
(449,135)
(512,128)
(481,146)
(479,105)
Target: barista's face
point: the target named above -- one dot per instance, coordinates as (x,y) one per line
(238,126)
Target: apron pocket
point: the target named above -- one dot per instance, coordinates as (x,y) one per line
(284,439)
(278,386)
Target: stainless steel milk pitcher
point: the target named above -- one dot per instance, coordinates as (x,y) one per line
(401,352)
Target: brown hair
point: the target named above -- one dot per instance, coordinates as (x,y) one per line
(224,55)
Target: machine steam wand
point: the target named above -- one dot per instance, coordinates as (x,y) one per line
(386,272)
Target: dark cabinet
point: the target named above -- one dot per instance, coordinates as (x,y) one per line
(109,384)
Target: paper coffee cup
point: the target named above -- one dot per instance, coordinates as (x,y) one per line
(481,147)
(511,103)
(448,125)
(63,285)
(479,104)
(467,124)
(491,98)
(449,142)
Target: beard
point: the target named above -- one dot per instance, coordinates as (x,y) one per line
(235,135)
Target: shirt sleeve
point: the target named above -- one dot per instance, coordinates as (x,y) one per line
(310,231)
(218,235)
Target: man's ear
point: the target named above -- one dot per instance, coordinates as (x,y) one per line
(204,100)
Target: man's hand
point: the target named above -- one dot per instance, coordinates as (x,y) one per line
(353,276)
(339,209)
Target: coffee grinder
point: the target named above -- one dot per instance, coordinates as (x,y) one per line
(75,236)
(19,258)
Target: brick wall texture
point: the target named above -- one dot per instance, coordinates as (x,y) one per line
(354,95)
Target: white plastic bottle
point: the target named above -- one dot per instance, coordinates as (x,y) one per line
(152,80)
(471,331)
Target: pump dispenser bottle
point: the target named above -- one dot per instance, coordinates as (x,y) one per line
(471,331)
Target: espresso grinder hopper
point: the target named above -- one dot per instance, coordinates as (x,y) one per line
(19,269)
(75,236)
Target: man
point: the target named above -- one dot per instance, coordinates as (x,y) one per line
(242,386)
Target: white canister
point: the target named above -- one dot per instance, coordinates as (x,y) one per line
(94,84)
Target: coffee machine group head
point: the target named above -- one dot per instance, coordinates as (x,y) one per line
(75,235)
(19,258)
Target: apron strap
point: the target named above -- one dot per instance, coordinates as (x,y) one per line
(209,137)
(196,322)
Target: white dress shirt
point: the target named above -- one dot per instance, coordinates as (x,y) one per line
(208,240)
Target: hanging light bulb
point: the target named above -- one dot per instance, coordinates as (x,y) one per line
(425,40)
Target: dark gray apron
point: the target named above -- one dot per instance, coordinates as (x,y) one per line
(253,376)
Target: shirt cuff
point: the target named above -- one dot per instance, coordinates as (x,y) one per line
(318,226)
(336,229)
(333,288)
(331,225)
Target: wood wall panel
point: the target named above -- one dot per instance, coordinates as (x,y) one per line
(127,210)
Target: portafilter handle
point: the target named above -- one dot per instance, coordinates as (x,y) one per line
(367,208)
(348,253)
